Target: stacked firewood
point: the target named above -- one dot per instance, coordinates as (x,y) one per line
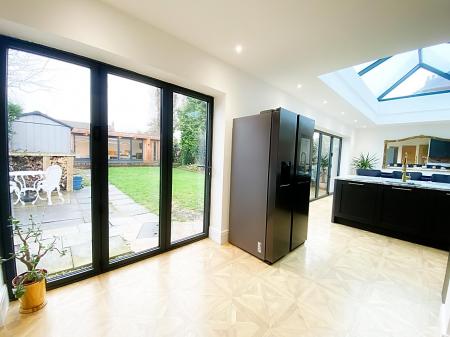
(41,163)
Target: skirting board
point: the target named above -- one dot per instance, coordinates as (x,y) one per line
(4,303)
(215,234)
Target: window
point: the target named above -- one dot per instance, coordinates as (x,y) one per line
(155,151)
(113,166)
(189,167)
(425,71)
(125,148)
(134,190)
(113,149)
(137,146)
(81,147)
(325,164)
(43,106)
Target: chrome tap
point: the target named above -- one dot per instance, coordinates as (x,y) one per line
(405,177)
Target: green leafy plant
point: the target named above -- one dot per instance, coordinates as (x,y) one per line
(365,161)
(191,122)
(32,248)
(14,112)
(324,162)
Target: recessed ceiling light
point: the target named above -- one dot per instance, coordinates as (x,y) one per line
(238,49)
(299,86)
(325,101)
(342,112)
(356,121)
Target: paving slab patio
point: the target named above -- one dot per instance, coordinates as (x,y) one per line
(132,227)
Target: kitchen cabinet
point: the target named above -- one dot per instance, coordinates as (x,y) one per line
(411,213)
(402,209)
(355,201)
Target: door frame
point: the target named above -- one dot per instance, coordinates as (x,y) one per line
(99,161)
(330,165)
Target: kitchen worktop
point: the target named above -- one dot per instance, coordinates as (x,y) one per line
(397,182)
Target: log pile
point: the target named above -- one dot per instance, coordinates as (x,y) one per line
(40,162)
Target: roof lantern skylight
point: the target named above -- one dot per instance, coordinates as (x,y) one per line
(425,71)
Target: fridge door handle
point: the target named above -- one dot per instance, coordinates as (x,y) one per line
(285,185)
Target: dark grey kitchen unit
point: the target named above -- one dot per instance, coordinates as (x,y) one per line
(418,214)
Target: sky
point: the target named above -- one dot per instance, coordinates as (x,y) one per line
(390,71)
(61,90)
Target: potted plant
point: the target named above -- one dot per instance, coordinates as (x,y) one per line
(364,162)
(324,162)
(30,287)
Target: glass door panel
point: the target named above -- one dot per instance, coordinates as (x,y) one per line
(324,163)
(336,147)
(314,163)
(49,163)
(134,169)
(189,166)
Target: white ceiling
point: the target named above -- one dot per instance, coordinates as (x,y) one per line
(286,42)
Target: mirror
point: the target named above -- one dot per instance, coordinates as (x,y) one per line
(421,151)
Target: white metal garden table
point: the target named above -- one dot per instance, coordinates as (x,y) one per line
(20,178)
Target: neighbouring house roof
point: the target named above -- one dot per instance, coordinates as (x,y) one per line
(77,125)
(82,128)
(38,113)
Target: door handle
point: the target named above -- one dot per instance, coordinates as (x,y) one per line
(357,184)
(285,185)
(402,189)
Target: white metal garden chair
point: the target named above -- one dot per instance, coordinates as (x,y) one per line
(49,184)
(14,188)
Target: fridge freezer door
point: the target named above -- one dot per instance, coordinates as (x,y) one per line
(302,181)
(281,173)
(300,211)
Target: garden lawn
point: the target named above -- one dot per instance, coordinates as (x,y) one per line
(142,185)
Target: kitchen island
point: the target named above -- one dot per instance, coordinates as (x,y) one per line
(416,211)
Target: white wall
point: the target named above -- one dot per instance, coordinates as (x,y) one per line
(98,31)
(372,140)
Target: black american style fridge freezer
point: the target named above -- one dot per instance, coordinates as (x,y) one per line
(270,179)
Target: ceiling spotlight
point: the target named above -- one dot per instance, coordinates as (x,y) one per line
(325,101)
(342,112)
(238,49)
(299,86)
(356,121)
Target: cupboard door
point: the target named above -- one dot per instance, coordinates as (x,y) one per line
(357,201)
(440,221)
(403,209)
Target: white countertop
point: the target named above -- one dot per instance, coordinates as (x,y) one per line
(397,182)
(425,171)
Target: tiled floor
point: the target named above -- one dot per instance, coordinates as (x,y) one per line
(343,282)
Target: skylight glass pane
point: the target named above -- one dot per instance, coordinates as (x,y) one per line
(421,82)
(437,56)
(362,66)
(382,77)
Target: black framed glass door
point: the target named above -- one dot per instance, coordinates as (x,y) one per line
(325,164)
(134,184)
(50,182)
(190,167)
(106,160)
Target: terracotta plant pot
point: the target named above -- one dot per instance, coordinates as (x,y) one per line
(34,298)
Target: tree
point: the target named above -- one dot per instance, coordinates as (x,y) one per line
(14,112)
(191,122)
